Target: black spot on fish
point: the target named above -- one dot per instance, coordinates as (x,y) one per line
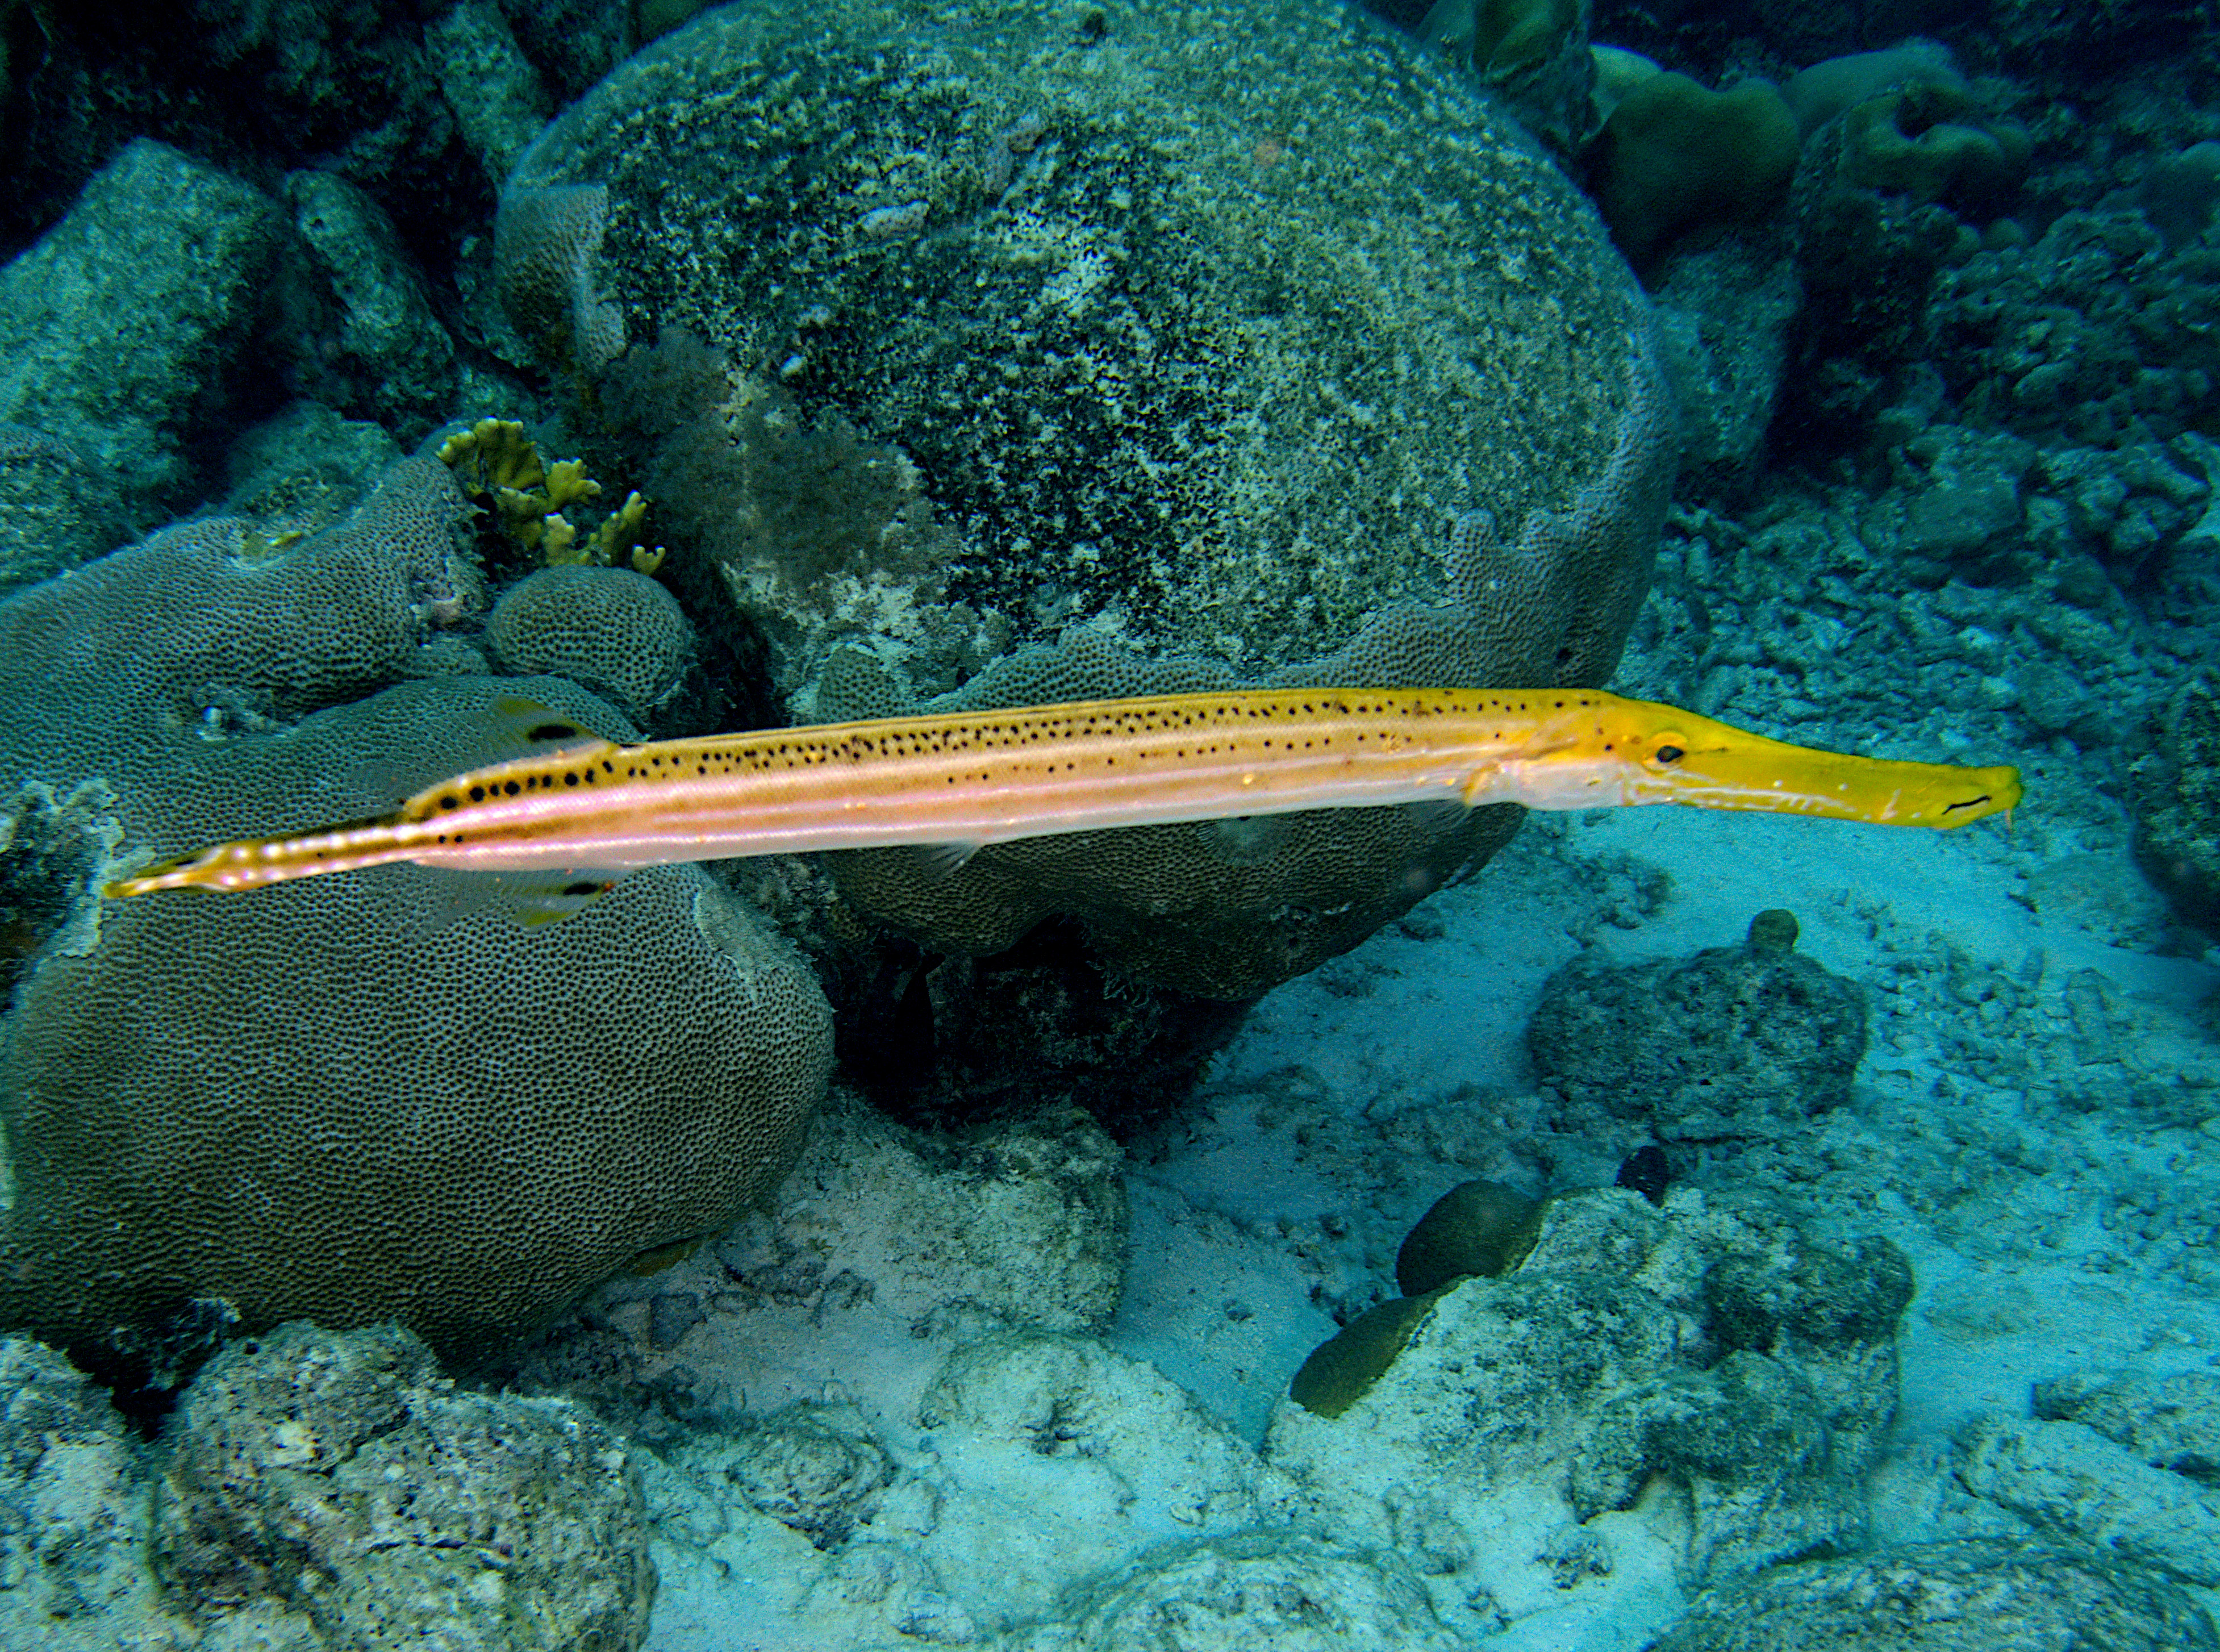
(553,731)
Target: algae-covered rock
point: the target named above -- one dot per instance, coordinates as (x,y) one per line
(123,325)
(2177,805)
(311,1491)
(1737,1042)
(1285,1590)
(340,1475)
(1727,1353)
(2170,1422)
(75,1520)
(1971,1595)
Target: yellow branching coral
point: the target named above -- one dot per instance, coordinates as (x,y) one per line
(495,461)
(623,532)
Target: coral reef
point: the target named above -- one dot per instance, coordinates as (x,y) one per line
(1827,89)
(314,1491)
(497,98)
(216,627)
(1919,140)
(1575,1372)
(56,510)
(2095,333)
(1341,1371)
(75,1518)
(1227,910)
(1532,55)
(1026,1226)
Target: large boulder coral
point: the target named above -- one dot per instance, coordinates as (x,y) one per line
(349,1098)
(1161,361)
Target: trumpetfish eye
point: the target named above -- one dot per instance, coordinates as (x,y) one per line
(1668,753)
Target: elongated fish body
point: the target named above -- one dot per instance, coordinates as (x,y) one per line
(955,782)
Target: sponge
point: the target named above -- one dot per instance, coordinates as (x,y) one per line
(1675,155)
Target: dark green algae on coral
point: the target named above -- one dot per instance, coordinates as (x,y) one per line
(1200,322)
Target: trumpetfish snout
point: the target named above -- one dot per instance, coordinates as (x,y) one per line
(1647,753)
(950,783)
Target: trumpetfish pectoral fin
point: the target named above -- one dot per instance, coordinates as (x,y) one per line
(942,861)
(530,899)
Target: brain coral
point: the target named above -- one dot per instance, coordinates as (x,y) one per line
(348,1098)
(1195,355)
(331,1099)
(615,631)
(213,629)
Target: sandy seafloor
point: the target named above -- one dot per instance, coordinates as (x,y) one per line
(2046,1241)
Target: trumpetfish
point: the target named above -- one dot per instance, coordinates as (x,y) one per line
(952,783)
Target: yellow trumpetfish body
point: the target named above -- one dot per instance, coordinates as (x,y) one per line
(958,781)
